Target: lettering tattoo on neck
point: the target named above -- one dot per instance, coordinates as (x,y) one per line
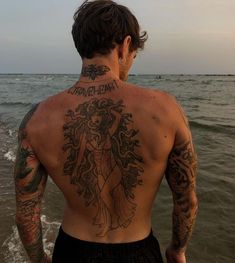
(103,162)
(93,71)
(93,90)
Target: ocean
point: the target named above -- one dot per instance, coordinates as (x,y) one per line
(209,102)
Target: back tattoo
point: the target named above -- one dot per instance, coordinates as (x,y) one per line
(102,161)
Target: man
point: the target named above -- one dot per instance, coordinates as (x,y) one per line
(107,145)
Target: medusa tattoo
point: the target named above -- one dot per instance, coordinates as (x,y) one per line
(102,161)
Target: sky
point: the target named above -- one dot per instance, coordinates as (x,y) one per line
(185,36)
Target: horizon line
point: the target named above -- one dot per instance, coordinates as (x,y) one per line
(131,74)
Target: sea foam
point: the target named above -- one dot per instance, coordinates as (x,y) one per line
(13,250)
(10,156)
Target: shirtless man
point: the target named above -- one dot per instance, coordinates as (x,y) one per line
(107,145)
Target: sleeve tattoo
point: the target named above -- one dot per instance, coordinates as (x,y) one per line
(30,180)
(181,174)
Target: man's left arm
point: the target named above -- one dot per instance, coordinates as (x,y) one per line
(30,181)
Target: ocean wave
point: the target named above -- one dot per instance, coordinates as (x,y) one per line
(13,249)
(220,104)
(227,129)
(206,82)
(223,80)
(17,103)
(191,80)
(199,98)
(179,80)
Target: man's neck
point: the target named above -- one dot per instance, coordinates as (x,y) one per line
(98,69)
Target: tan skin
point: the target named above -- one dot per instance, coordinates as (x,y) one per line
(161,125)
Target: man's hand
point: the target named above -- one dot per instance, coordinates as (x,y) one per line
(47,259)
(173,256)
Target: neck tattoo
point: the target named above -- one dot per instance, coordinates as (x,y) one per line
(93,71)
(93,90)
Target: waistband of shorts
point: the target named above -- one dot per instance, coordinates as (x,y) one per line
(114,248)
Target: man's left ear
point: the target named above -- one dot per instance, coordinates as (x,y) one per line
(126,43)
(124,47)
(127,40)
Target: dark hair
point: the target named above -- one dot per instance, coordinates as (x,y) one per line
(100,25)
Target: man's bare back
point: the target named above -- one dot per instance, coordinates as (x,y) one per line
(107,145)
(108,154)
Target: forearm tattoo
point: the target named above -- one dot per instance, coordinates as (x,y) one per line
(30,179)
(102,161)
(180,174)
(29,227)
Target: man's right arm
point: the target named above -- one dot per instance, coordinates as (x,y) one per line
(181,176)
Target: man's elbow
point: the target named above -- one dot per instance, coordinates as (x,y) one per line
(19,220)
(187,201)
(193,202)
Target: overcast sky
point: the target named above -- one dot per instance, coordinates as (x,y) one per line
(185,36)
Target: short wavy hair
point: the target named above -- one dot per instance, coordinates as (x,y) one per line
(100,25)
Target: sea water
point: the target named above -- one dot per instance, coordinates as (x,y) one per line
(209,102)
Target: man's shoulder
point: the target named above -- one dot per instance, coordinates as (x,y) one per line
(50,105)
(154,93)
(40,113)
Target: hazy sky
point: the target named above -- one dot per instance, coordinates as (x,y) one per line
(185,36)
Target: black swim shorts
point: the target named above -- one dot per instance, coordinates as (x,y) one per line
(72,250)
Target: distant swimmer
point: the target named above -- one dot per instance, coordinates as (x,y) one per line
(107,145)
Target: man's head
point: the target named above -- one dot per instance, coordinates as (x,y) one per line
(101,26)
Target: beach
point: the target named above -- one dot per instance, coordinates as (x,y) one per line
(209,102)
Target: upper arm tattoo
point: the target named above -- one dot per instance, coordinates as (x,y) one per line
(182,167)
(180,174)
(29,174)
(102,161)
